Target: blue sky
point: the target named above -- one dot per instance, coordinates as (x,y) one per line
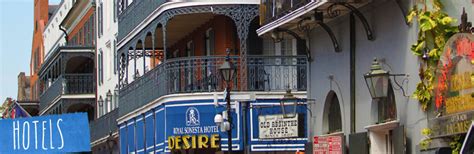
(16,33)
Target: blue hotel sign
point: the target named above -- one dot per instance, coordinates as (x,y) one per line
(45,134)
(193,127)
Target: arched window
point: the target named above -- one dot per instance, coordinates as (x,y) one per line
(334,117)
(332,114)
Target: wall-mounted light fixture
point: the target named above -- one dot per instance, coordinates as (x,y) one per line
(289,100)
(377,80)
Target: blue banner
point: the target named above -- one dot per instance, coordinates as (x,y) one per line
(190,125)
(45,134)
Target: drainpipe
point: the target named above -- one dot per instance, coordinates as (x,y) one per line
(352,45)
(65,33)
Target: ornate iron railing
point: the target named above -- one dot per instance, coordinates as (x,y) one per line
(274,9)
(135,13)
(201,74)
(79,84)
(276,73)
(104,126)
(68,84)
(54,90)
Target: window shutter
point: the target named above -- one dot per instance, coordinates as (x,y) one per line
(399,140)
(115,56)
(212,40)
(358,143)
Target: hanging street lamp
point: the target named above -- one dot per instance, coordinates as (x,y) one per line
(377,80)
(289,100)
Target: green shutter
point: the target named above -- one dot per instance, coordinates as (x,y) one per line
(399,140)
(358,143)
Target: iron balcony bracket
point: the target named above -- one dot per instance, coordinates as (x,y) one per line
(404,12)
(318,19)
(301,43)
(333,12)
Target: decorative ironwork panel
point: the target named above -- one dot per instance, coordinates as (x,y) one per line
(67,84)
(270,73)
(79,84)
(52,90)
(241,14)
(135,14)
(201,74)
(104,126)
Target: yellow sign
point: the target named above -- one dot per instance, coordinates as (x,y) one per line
(454,88)
(193,142)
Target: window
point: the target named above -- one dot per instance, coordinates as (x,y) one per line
(287,47)
(332,114)
(116,97)
(92,24)
(335,124)
(190,49)
(209,46)
(35,60)
(115,10)
(101,18)
(189,72)
(101,66)
(86,33)
(386,107)
(114,47)
(268,46)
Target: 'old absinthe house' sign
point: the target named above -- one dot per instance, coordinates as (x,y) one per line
(454,88)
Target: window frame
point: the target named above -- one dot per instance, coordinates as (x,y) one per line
(100,66)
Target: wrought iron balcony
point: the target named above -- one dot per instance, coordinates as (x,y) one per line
(135,13)
(104,126)
(200,74)
(67,84)
(274,9)
(270,73)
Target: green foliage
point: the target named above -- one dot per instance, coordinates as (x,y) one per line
(456,144)
(425,143)
(435,28)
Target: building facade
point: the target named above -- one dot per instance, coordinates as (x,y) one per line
(105,136)
(23,96)
(67,74)
(170,87)
(342,38)
(42,13)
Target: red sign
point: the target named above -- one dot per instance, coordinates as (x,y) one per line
(327,145)
(455,76)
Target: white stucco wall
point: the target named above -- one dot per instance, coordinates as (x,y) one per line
(393,39)
(105,43)
(53,36)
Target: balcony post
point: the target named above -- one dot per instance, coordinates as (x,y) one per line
(135,62)
(242,17)
(153,50)
(126,65)
(144,54)
(165,51)
(63,83)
